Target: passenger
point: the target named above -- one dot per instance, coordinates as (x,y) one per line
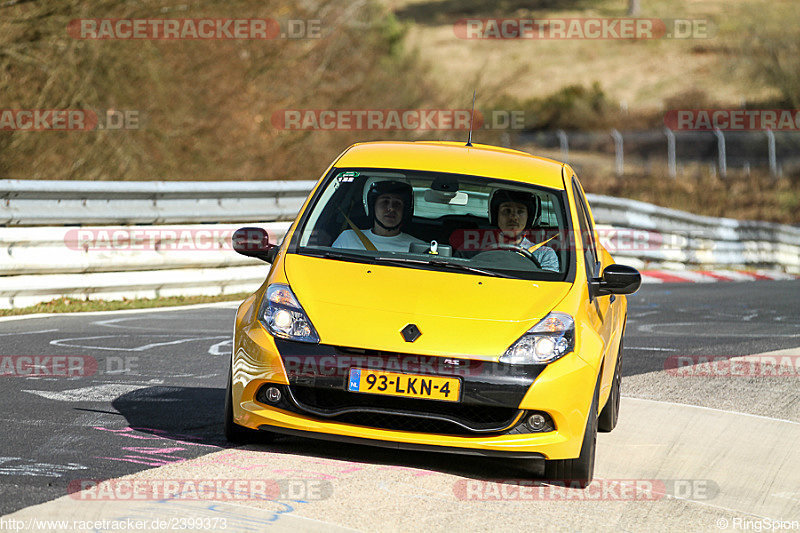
(390,205)
(514,212)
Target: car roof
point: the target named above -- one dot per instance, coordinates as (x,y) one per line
(455,157)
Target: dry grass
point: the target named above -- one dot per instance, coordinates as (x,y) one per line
(70,305)
(640,75)
(205,105)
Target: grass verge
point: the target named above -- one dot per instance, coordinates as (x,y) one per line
(71,305)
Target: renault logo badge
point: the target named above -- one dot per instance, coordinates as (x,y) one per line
(410,333)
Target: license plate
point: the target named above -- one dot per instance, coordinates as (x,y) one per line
(405,385)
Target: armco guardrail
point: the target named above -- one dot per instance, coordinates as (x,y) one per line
(39,264)
(55,202)
(677,239)
(51,244)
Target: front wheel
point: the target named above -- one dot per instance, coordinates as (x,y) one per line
(577,472)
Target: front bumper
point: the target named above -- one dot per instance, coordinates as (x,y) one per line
(490,392)
(562,389)
(411,446)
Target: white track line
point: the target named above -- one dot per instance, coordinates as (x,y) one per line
(224,305)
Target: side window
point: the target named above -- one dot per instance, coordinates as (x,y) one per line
(587,232)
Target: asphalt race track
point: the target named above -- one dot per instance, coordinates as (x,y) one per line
(694,450)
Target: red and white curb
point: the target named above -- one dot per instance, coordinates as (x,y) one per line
(710,276)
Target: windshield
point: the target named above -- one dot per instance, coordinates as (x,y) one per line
(469,224)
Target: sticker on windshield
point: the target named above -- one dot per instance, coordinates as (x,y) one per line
(347,177)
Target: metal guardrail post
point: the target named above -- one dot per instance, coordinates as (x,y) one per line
(564,142)
(618,150)
(671,163)
(773,161)
(723,163)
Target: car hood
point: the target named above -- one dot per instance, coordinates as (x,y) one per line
(461,315)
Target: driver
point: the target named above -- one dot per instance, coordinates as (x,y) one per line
(390,204)
(514,212)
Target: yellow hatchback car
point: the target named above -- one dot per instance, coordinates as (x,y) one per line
(436,296)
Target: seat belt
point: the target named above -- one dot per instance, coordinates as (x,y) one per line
(363,238)
(537,246)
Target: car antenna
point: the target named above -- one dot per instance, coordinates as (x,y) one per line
(471,118)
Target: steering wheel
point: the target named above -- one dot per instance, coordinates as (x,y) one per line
(520,250)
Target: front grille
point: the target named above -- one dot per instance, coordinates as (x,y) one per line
(407,414)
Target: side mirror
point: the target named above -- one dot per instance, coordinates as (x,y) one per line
(617,279)
(254,242)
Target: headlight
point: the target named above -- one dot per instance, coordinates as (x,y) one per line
(284,317)
(551,338)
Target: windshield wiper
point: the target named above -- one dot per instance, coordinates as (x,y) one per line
(327,254)
(445,264)
(465,268)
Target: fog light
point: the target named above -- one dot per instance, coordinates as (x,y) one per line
(273,394)
(536,422)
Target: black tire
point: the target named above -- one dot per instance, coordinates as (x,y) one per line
(610,413)
(234,433)
(579,472)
